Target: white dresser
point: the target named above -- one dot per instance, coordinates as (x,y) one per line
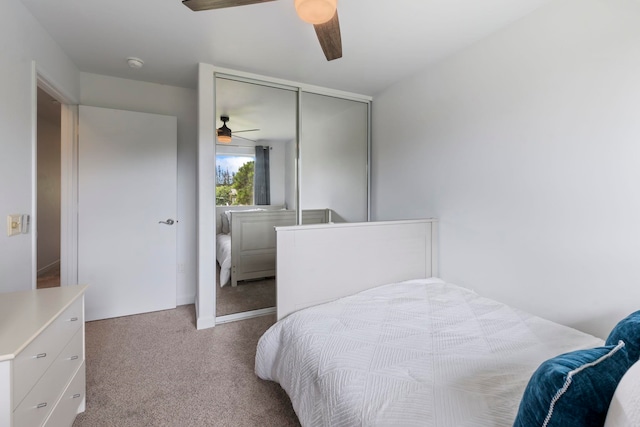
(42,370)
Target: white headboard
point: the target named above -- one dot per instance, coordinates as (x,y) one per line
(221,209)
(320,263)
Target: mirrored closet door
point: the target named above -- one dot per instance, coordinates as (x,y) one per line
(255,189)
(284,156)
(334,156)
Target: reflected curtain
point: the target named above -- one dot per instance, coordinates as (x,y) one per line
(261,190)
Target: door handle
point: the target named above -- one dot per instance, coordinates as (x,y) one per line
(167,222)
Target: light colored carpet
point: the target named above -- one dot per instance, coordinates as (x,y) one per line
(156,369)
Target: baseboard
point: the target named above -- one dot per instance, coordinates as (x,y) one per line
(47,268)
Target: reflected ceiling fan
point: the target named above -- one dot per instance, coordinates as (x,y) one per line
(323,14)
(225,134)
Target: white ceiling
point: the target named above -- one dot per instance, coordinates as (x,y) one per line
(383,41)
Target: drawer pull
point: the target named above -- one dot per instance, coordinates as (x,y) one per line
(41,405)
(73,319)
(74,357)
(77,395)
(41,355)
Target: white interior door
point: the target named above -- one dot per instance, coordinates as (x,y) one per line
(127,186)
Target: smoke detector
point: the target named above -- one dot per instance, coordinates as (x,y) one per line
(135,63)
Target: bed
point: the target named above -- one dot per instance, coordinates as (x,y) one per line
(246,244)
(391,350)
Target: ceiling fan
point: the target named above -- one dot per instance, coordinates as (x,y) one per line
(224,133)
(323,14)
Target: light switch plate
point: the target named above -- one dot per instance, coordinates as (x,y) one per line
(14,224)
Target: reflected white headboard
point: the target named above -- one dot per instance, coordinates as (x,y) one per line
(221,209)
(320,263)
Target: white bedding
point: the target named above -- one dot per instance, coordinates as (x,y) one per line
(416,353)
(223,255)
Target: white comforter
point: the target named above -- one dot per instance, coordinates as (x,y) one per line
(223,255)
(416,353)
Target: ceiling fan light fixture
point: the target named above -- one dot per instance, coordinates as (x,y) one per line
(316,11)
(224,133)
(224,139)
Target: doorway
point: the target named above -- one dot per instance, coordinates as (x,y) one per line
(64,176)
(48,190)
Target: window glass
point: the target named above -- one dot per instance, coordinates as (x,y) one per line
(234,180)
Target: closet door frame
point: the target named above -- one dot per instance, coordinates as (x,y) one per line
(206,221)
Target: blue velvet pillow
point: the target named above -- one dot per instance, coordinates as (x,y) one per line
(573,389)
(628,330)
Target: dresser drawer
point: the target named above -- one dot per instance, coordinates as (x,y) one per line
(40,401)
(33,361)
(66,410)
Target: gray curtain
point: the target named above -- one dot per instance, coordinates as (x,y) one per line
(261,188)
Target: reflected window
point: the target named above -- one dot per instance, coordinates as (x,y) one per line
(234,180)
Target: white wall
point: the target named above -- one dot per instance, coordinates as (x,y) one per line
(527,148)
(110,92)
(23,40)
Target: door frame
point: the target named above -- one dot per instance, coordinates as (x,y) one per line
(68,178)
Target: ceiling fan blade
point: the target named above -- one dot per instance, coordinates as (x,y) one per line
(197,5)
(329,38)
(246,139)
(245,130)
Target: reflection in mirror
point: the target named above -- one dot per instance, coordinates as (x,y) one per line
(334,157)
(255,190)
